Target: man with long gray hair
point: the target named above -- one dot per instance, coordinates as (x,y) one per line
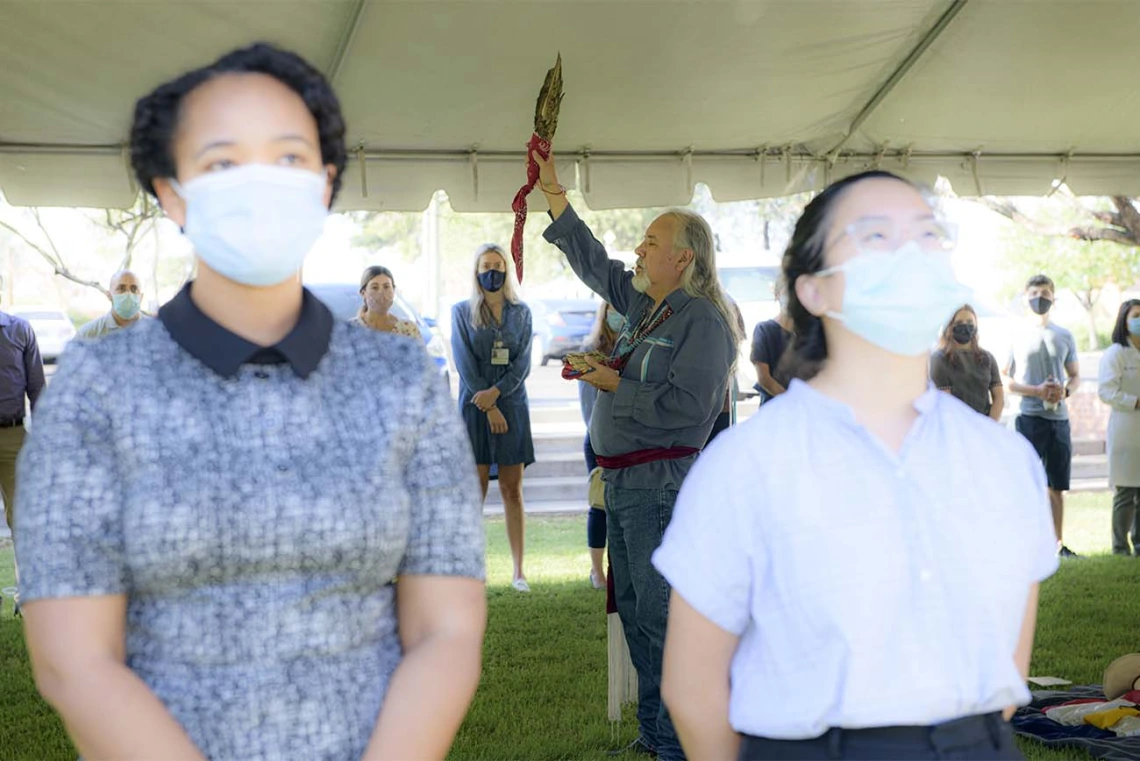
(660,393)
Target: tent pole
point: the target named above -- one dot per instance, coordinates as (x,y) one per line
(346,39)
(885,89)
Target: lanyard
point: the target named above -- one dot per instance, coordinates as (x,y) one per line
(646,325)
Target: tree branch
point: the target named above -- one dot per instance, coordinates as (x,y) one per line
(57,265)
(1122,227)
(1111,234)
(1003,207)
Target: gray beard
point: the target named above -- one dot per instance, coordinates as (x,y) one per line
(640,283)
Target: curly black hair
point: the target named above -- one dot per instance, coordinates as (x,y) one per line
(157,114)
(804,256)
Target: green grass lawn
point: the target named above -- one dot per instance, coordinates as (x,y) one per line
(543,693)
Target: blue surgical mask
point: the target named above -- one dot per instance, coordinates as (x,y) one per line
(492,280)
(255,223)
(1134,326)
(899,300)
(126,305)
(615,321)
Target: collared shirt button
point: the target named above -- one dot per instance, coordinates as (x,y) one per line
(282,468)
(261,374)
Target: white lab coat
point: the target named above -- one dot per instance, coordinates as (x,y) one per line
(1119,388)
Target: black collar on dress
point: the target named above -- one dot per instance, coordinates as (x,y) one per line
(225,353)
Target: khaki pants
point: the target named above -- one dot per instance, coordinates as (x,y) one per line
(11,440)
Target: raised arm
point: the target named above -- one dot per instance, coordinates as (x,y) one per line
(586,255)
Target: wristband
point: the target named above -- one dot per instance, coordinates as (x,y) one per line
(560,192)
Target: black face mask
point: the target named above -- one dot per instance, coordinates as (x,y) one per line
(964,333)
(492,280)
(1041,305)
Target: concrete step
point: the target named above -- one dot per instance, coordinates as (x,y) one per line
(1088,447)
(1090,466)
(558,464)
(539,490)
(555,414)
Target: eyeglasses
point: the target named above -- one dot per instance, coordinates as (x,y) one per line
(882,235)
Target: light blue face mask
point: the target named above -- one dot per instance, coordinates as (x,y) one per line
(255,223)
(615,321)
(1134,326)
(899,300)
(126,305)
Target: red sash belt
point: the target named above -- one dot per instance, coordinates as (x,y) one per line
(643,456)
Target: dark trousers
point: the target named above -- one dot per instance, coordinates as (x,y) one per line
(596,518)
(722,423)
(1125,520)
(982,738)
(637,519)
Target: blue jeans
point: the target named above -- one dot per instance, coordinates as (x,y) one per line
(636,520)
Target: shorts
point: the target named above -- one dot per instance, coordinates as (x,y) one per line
(1054,445)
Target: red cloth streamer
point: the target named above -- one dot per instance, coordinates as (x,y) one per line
(542,147)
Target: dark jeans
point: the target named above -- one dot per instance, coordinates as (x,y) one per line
(637,520)
(596,518)
(1125,520)
(986,738)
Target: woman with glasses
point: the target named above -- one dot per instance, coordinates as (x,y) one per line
(264,541)
(959,366)
(835,595)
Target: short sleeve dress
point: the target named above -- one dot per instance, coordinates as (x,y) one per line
(256,523)
(471,348)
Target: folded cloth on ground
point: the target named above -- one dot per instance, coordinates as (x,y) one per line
(1031,722)
(1073,714)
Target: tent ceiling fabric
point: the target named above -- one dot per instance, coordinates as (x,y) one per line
(747,96)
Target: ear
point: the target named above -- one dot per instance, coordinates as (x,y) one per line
(330,170)
(172,204)
(810,293)
(685,259)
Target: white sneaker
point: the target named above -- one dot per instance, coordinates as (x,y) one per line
(520,585)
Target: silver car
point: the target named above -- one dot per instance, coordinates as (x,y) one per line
(52,327)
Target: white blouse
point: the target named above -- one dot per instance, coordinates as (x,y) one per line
(868,588)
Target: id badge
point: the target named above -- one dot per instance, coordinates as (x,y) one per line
(500,355)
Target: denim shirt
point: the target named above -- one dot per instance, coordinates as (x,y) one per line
(471,349)
(673,386)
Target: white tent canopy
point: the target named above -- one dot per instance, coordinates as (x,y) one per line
(755,98)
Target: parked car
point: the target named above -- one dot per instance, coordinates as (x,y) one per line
(560,326)
(52,327)
(343,299)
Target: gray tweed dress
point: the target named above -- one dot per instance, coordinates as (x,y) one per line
(254,521)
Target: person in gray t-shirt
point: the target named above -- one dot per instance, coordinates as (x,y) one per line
(964,369)
(1043,354)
